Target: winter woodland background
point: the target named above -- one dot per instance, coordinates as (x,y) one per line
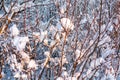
(59,39)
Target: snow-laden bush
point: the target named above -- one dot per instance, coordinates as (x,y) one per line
(59,40)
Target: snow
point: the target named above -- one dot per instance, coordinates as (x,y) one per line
(104,77)
(6,9)
(72,78)
(46,42)
(59,78)
(107,52)
(47,53)
(17,75)
(63,9)
(52,43)
(1,15)
(115,21)
(58,37)
(32,64)
(59,26)
(25,57)
(110,28)
(89,71)
(36,34)
(20,42)
(14,30)
(64,74)
(110,77)
(84,20)
(67,23)
(19,66)
(96,62)
(43,35)
(3,74)
(103,27)
(92,2)
(105,39)
(24,76)
(77,53)
(64,60)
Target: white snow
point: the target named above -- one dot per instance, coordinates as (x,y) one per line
(25,57)
(52,43)
(63,9)
(96,62)
(43,35)
(20,42)
(17,75)
(103,27)
(83,20)
(59,27)
(46,42)
(72,78)
(105,39)
(36,34)
(47,53)
(59,78)
(107,52)
(77,53)
(14,30)
(110,28)
(1,15)
(58,37)
(67,23)
(24,76)
(6,8)
(32,64)
(19,66)
(64,74)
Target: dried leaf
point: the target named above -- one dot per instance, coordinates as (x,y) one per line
(0,76)
(3,29)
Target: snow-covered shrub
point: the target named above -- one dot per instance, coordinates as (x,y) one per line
(59,40)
